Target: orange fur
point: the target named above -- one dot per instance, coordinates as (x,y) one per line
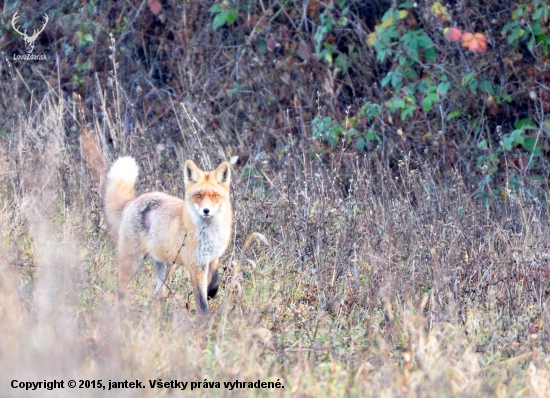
(193,232)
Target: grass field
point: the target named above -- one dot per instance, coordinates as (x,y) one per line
(377,281)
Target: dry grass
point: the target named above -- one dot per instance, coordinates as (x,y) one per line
(376,282)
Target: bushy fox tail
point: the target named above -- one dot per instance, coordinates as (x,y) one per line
(119,189)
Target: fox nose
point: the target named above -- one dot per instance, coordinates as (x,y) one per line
(206,211)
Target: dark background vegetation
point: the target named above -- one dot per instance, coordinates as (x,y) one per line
(258,81)
(400,178)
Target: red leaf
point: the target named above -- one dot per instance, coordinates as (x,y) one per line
(466,39)
(452,34)
(482,40)
(476,43)
(154,6)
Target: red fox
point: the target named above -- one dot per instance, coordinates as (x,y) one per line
(193,232)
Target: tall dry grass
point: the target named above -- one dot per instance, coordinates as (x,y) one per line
(376,281)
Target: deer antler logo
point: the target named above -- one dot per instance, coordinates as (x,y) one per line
(29,40)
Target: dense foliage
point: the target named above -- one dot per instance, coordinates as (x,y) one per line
(462,84)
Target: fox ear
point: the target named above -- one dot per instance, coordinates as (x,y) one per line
(191,173)
(223,173)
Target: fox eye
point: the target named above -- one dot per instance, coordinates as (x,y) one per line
(215,196)
(198,195)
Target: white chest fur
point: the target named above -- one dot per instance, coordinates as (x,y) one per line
(213,238)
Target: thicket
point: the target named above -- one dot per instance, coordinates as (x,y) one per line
(461,84)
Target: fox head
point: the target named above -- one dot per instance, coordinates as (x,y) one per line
(207,191)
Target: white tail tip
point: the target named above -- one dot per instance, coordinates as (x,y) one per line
(124,168)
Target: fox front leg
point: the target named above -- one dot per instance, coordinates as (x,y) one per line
(198,279)
(213,279)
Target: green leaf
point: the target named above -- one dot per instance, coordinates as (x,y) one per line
(518,136)
(467,78)
(430,54)
(506,98)
(392,32)
(262,46)
(454,114)
(396,81)
(399,103)
(360,144)
(409,39)
(386,79)
(406,5)
(88,37)
(381,54)
(507,141)
(507,27)
(423,86)
(529,144)
(219,20)
(372,136)
(487,86)
(433,97)
(230,16)
(334,136)
(443,87)
(342,62)
(411,74)
(408,111)
(370,111)
(387,14)
(538,14)
(318,40)
(536,28)
(427,104)
(413,56)
(343,21)
(472,85)
(215,8)
(424,41)
(482,145)
(515,34)
(395,16)
(518,124)
(531,43)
